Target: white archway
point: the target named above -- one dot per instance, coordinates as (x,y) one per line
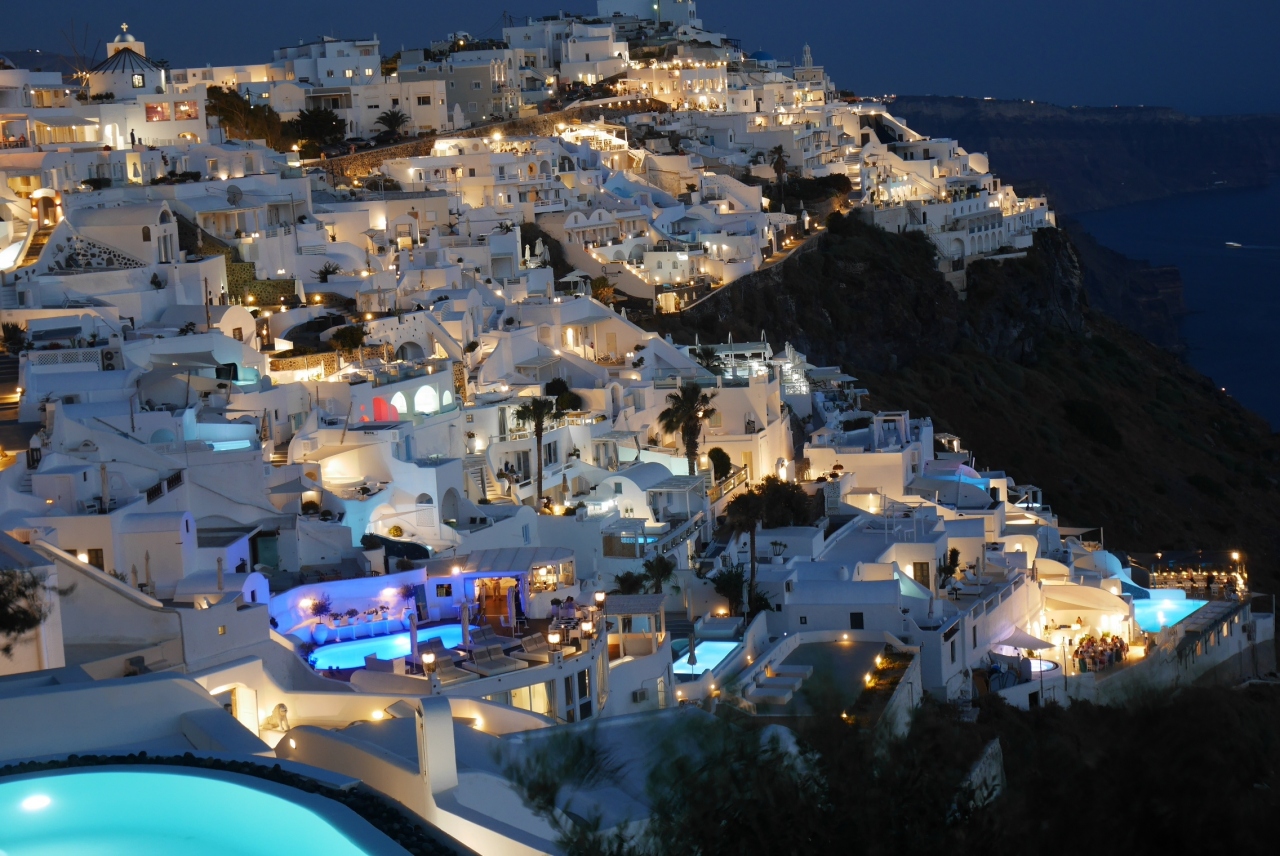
(426,400)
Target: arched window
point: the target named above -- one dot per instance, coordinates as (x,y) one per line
(425,499)
(165,218)
(146,233)
(446,399)
(426,400)
(399,403)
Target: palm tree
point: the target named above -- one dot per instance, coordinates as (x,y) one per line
(707,357)
(686,408)
(744,514)
(659,570)
(779,164)
(629,582)
(393,120)
(536,412)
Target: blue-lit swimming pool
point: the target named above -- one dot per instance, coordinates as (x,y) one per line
(160,811)
(1157,612)
(708,653)
(351,654)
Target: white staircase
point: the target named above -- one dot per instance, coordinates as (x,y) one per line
(480,482)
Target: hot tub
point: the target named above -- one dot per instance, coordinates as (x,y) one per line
(158,811)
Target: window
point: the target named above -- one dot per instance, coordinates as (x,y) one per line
(238,334)
(444,589)
(617,488)
(975,637)
(475,84)
(185,111)
(368,72)
(856,621)
(424,100)
(139,81)
(953,650)
(471,172)
(395,102)
(161,112)
(471,106)
(95,559)
(146,233)
(551,453)
(349,73)
(328,72)
(715,420)
(804,619)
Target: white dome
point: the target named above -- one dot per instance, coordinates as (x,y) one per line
(125,35)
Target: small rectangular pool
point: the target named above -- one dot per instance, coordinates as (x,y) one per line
(708,653)
(1156,612)
(351,654)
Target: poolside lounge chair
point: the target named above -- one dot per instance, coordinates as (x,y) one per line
(794,671)
(447,672)
(490,660)
(535,649)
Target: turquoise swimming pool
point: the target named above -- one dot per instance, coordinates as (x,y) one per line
(1156,612)
(351,654)
(162,811)
(708,653)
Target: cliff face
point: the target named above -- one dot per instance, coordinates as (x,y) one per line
(1088,158)
(1117,432)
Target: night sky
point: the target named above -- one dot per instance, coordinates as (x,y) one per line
(1201,56)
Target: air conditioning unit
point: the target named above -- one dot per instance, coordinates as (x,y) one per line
(111,360)
(640,695)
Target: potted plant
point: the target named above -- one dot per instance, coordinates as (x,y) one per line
(396,531)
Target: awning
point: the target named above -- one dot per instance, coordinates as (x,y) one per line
(1071,596)
(575,275)
(185,360)
(1016,638)
(291,487)
(64,121)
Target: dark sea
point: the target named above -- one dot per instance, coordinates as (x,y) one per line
(1232,294)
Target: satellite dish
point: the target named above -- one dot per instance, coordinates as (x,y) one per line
(234,194)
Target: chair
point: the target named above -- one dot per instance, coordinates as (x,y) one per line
(535,649)
(490,660)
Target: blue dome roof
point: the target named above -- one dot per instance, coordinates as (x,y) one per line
(762,56)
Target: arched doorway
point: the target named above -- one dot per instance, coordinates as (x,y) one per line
(410,351)
(426,400)
(384,411)
(449,506)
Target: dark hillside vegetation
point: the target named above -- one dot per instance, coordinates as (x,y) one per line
(1118,432)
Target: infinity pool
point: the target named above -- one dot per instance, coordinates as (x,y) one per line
(163,811)
(709,653)
(351,654)
(1157,612)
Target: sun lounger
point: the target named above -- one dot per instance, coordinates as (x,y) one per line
(490,660)
(762,695)
(534,649)
(795,671)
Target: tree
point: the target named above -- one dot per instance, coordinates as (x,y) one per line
(629,582)
(659,570)
(566,399)
(320,127)
(720,462)
(242,120)
(686,408)
(602,290)
(707,357)
(393,120)
(778,160)
(744,513)
(785,504)
(536,412)
(24,605)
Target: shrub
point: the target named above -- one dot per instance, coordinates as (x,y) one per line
(310,507)
(405,591)
(403,564)
(369,541)
(472,347)
(322,605)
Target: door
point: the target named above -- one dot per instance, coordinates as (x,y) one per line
(746,465)
(611,344)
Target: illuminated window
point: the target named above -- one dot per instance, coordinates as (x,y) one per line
(187,110)
(161,112)
(139,81)
(350,72)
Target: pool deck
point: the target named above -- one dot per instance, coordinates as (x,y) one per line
(840,665)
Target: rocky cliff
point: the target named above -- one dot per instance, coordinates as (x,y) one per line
(1088,158)
(1118,432)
